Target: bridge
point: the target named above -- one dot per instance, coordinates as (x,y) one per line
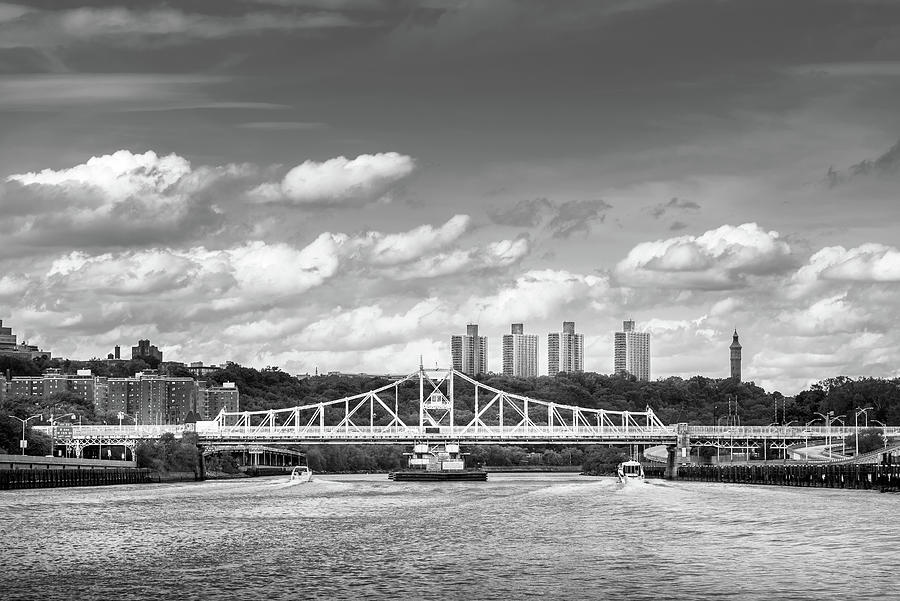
(447,405)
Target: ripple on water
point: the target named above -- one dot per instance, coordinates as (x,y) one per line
(547,536)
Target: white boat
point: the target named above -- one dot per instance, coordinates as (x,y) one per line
(630,471)
(301,473)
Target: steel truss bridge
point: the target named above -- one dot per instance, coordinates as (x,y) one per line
(451,406)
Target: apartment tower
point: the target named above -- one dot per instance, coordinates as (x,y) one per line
(520,353)
(632,352)
(565,350)
(469,352)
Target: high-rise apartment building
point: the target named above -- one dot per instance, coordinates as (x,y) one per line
(565,350)
(469,352)
(520,353)
(632,352)
(735,357)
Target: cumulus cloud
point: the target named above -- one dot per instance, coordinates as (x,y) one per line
(718,259)
(866,263)
(339,180)
(119,199)
(392,249)
(560,219)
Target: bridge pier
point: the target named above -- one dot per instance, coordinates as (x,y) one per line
(201,464)
(671,463)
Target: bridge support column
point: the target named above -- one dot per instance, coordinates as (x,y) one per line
(671,463)
(201,464)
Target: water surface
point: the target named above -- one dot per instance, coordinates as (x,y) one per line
(529,536)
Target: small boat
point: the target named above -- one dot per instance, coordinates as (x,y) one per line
(630,471)
(301,473)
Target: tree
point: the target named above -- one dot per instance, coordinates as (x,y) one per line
(870,439)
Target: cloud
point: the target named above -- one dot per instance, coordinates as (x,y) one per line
(339,180)
(394,249)
(234,278)
(117,92)
(525,213)
(495,255)
(283,125)
(716,260)
(885,165)
(674,204)
(561,219)
(866,263)
(122,26)
(536,294)
(576,216)
(119,199)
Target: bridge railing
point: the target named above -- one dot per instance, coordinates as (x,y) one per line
(797,432)
(511,433)
(95,431)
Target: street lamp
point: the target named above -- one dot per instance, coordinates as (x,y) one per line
(856,424)
(121,415)
(24,443)
(829,419)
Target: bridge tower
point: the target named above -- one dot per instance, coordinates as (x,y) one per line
(735,357)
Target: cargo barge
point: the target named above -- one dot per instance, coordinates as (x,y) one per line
(437,463)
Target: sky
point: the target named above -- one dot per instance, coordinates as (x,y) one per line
(342,185)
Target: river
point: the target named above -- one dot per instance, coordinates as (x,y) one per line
(523,536)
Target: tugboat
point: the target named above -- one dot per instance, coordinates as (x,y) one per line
(301,474)
(630,471)
(435,463)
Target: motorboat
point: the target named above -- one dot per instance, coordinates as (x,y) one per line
(301,473)
(630,471)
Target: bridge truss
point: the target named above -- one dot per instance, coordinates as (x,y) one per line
(450,405)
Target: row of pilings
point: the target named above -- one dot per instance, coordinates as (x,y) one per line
(885,478)
(52,478)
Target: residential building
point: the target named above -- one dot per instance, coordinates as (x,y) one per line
(735,357)
(632,352)
(10,347)
(212,399)
(152,398)
(520,353)
(469,352)
(199,370)
(83,384)
(565,350)
(144,350)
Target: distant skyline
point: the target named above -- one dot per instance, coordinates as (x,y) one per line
(345,183)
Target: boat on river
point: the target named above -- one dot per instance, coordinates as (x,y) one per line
(301,474)
(436,463)
(630,471)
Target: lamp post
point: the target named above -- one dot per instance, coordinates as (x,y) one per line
(864,411)
(829,419)
(806,437)
(121,415)
(24,443)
